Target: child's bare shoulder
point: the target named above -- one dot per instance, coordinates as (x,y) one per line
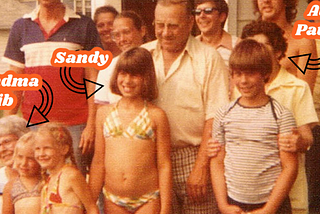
(7,188)
(71,173)
(156,113)
(104,110)
(153,109)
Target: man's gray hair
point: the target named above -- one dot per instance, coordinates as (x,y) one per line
(186,3)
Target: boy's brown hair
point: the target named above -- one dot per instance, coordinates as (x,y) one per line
(251,56)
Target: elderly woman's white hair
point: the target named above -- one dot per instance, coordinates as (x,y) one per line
(14,125)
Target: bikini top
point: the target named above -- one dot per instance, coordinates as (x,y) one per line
(19,191)
(53,198)
(139,128)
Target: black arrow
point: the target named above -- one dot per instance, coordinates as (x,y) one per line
(306,66)
(45,107)
(74,86)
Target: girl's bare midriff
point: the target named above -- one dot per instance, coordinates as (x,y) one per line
(130,167)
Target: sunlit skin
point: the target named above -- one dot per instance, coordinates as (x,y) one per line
(301,137)
(126,35)
(270,10)
(104,26)
(274,11)
(210,24)
(48,154)
(29,175)
(171,28)
(25,163)
(130,85)
(7,144)
(73,189)
(251,87)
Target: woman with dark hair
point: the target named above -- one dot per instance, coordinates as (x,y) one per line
(129,31)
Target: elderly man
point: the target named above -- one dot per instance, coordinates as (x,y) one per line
(193,83)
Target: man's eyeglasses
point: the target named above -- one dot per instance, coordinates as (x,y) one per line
(207,11)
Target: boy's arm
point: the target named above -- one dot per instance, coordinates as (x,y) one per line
(164,162)
(219,184)
(7,206)
(82,190)
(289,163)
(97,170)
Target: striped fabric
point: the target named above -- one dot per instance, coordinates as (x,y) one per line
(39,54)
(252,161)
(31,48)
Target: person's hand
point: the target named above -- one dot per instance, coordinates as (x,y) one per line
(231,209)
(213,148)
(288,142)
(197,184)
(87,140)
(259,211)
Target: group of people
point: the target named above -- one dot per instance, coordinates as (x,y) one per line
(164,135)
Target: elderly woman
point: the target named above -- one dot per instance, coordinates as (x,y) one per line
(11,129)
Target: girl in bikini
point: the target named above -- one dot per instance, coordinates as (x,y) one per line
(66,190)
(22,194)
(132,145)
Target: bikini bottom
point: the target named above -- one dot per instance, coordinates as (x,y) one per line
(131,204)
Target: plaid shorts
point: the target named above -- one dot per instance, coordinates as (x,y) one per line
(183,160)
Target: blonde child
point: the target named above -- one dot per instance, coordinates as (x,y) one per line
(66,190)
(132,146)
(22,194)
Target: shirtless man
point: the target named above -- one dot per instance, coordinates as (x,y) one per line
(283,12)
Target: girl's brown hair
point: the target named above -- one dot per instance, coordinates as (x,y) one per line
(251,56)
(137,61)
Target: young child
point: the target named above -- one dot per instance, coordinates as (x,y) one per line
(66,190)
(250,173)
(22,195)
(132,146)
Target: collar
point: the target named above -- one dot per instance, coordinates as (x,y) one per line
(284,78)
(68,14)
(226,41)
(189,48)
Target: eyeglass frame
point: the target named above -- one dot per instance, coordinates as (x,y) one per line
(115,35)
(207,11)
